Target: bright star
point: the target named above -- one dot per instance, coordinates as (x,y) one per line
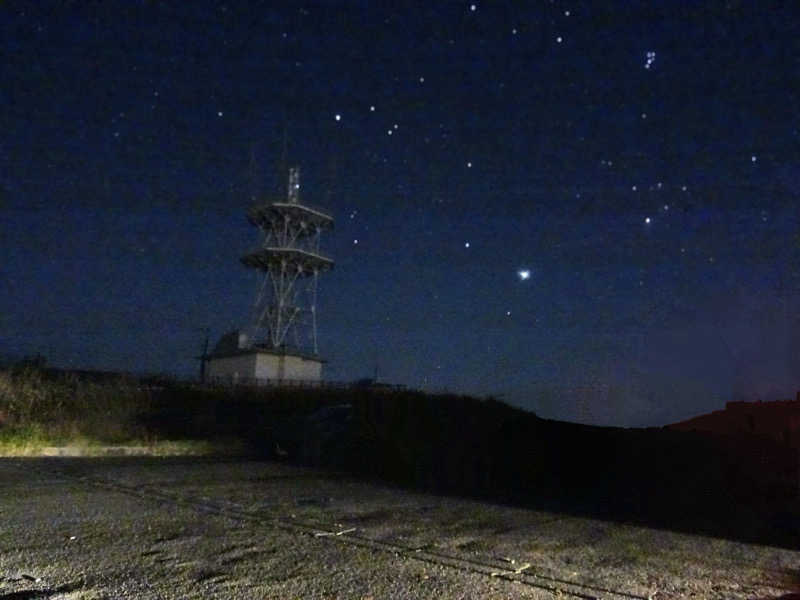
(524,274)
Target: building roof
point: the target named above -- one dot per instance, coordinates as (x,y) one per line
(234,343)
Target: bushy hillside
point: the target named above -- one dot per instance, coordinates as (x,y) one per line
(444,443)
(39,406)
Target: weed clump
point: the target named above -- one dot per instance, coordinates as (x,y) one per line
(39,408)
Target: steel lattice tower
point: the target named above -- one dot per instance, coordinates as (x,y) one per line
(284,313)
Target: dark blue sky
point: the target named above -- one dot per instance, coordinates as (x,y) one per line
(640,159)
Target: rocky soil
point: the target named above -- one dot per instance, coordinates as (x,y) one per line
(203,528)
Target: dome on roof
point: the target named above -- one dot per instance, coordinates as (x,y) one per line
(231,343)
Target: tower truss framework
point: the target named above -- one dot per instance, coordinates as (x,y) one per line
(290,263)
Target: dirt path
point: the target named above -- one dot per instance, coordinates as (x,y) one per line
(189,528)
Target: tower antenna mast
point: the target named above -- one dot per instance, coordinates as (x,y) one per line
(290,262)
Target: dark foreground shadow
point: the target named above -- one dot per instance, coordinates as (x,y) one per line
(739,488)
(31,594)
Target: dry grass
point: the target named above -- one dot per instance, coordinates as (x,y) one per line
(21,446)
(38,409)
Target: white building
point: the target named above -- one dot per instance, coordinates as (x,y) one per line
(234,360)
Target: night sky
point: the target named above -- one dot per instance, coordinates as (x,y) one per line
(587,209)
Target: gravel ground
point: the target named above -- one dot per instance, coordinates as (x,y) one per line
(202,528)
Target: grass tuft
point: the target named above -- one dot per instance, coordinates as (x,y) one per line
(40,409)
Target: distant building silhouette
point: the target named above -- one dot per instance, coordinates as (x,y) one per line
(778,420)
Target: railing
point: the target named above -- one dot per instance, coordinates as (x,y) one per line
(300,383)
(160,380)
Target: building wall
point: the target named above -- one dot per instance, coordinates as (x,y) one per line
(271,366)
(232,368)
(263,366)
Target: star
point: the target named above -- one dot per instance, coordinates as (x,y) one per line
(524,274)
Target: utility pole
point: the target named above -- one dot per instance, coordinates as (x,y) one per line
(203,358)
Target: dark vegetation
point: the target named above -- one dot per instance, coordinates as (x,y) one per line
(740,487)
(48,406)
